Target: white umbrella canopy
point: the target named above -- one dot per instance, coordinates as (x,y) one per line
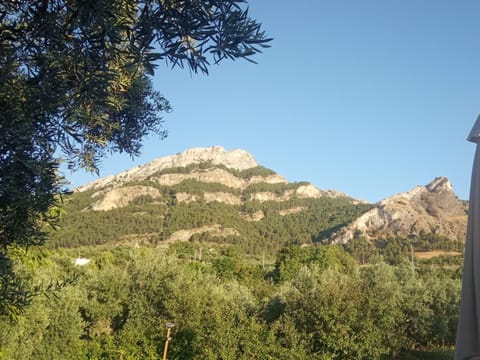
(468,332)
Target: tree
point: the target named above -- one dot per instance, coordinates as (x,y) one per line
(361,249)
(292,259)
(76,84)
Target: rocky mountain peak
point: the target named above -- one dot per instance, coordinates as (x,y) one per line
(238,159)
(440,184)
(433,208)
(438,195)
(220,172)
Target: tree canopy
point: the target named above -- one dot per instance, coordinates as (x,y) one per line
(226,305)
(76,84)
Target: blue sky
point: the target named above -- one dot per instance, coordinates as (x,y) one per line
(371,98)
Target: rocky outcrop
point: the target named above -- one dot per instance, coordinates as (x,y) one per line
(209,197)
(433,208)
(216,175)
(303,192)
(214,230)
(311,191)
(122,196)
(208,176)
(293,210)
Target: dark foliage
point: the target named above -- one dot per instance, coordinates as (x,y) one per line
(75,85)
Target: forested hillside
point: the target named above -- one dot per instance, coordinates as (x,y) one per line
(154,211)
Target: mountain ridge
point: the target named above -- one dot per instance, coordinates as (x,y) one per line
(236,159)
(210,188)
(214,156)
(433,208)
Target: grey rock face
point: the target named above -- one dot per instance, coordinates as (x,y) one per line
(236,159)
(433,208)
(114,191)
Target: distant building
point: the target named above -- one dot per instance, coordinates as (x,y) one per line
(81,261)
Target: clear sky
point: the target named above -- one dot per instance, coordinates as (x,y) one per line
(369,97)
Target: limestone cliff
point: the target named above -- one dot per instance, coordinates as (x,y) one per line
(433,208)
(236,159)
(117,191)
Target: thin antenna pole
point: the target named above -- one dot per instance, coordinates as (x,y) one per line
(169,331)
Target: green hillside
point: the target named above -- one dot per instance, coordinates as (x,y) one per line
(153,220)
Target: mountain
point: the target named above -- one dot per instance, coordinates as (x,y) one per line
(218,196)
(203,194)
(433,208)
(215,155)
(213,165)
